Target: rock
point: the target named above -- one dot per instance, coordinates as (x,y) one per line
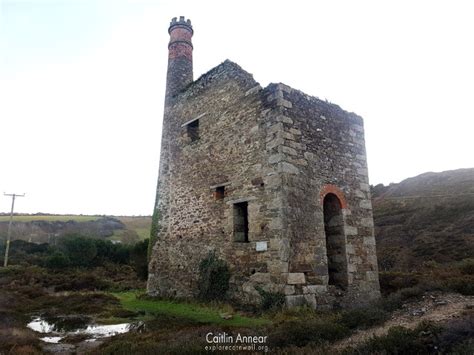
(138,327)
(295,301)
(295,278)
(418,312)
(226,316)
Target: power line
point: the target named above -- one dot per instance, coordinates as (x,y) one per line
(7,249)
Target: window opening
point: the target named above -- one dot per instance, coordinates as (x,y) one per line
(241,222)
(193,130)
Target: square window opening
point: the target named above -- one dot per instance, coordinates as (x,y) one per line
(219,194)
(193,130)
(241,222)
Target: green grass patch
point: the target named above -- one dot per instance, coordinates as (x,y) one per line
(195,312)
(143,233)
(50,218)
(139,224)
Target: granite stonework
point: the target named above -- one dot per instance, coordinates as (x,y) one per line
(297,163)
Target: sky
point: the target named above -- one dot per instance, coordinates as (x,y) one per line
(82,86)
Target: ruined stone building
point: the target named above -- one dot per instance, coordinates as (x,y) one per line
(272,180)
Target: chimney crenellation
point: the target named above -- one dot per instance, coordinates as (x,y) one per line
(182,21)
(180,55)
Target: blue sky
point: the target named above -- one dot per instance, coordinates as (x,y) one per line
(82,85)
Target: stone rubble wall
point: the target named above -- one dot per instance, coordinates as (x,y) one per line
(231,152)
(322,148)
(280,151)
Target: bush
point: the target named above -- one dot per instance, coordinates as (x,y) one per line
(463,285)
(465,348)
(81,251)
(364,317)
(271,300)
(138,259)
(467,266)
(394,281)
(395,300)
(458,335)
(155,223)
(302,332)
(57,261)
(150,345)
(108,251)
(83,281)
(214,278)
(400,340)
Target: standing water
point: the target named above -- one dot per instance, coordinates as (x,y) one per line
(57,328)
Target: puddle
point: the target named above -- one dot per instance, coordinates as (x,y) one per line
(55,329)
(53,340)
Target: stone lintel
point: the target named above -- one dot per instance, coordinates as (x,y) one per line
(244,199)
(212,187)
(194,119)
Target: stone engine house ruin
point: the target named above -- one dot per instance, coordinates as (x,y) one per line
(272,180)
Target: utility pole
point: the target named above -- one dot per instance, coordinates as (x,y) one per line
(5,264)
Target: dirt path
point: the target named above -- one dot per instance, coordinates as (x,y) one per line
(434,307)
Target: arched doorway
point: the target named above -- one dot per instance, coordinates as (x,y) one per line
(335,241)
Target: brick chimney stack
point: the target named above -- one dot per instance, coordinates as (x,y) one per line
(180,56)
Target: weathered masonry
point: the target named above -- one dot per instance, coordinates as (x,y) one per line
(271,179)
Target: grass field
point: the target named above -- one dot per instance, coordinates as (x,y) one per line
(49,218)
(141,225)
(195,312)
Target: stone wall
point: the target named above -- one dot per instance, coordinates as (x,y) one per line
(322,150)
(230,152)
(280,151)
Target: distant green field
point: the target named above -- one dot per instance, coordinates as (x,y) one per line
(50,218)
(136,227)
(141,225)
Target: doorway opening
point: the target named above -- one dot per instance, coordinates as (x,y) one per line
(335,241)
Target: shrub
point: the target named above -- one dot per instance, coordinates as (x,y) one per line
(83,281)
(463,285)
(400,340)
(108,251)
(270,300)
(155,223)
(77,303)
(394,281)
(214,278)
(467,266)
(57,261)
(395,300)
(464,348)
(364,317)
(302,332)
(150,346)
(138,259)
(458,335)
(81,251)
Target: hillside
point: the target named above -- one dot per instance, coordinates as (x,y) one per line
(45,228)
(423,218)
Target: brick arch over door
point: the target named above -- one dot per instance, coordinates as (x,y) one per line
(333,189)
